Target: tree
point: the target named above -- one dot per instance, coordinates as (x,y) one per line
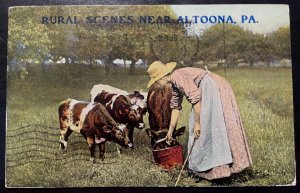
(109,41)
(232,44)
(28,39)
(222,42)
(281,42)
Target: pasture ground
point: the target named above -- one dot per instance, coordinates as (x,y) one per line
(33,158)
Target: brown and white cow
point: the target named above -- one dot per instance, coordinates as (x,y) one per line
(94,122)
(159,110)
(124,107)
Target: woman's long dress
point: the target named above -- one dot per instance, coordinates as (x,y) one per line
(222,148)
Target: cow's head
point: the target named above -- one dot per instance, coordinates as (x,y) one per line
(119,135)
(161,134)
(135,116)
(139,99)
(137,96)
(138,109)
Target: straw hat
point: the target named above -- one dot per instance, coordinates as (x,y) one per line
(157,70)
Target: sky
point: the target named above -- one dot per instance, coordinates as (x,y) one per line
(268,18)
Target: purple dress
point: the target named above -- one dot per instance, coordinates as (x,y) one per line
(222,148)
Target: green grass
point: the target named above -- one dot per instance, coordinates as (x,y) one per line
(33,158)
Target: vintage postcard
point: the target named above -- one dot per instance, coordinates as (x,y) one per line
(149,96)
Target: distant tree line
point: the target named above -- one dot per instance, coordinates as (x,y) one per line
(33,43)
(233,45)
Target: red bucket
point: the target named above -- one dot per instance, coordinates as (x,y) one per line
(169,157)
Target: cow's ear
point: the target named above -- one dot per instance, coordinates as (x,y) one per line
(138,95)
(179,131)
(107,129)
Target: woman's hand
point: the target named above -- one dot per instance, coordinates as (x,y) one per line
(197,130)
(197,126)
(174,119)
(169,137)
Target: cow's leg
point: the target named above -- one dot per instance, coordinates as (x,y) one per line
(64,137)
(119,149)
(63,142)
(102,150)
(130,135)
(92,146)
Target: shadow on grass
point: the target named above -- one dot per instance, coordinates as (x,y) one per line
(233,180)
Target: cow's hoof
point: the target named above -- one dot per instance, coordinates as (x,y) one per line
(92,159)
(62,149)
(131,147)
(119,151)
(63,144)
(102,157)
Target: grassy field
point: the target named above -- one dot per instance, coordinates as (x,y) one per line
(33,158)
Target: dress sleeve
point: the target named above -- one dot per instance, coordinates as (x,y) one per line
(187,86)
(176,99)
(193,93)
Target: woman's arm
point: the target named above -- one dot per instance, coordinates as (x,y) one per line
(175,117)
(174,120)
(197,126)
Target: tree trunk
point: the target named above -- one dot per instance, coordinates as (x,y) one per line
(124,61)
(107,64)
(251,63)
(132,68)
(106,67)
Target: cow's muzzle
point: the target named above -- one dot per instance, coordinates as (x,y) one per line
(129,145)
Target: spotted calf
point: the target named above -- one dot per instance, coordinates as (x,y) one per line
(95,124)
(124,107)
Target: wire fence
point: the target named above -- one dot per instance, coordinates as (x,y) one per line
(38,143)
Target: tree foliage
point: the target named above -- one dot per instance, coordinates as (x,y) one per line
(30,40)
(232,44)
(281,42)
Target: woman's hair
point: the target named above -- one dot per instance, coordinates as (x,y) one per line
(164,80)
(166,76)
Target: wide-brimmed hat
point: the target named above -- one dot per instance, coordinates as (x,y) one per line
(157,70)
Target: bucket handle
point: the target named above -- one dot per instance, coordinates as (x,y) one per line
(158,141)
